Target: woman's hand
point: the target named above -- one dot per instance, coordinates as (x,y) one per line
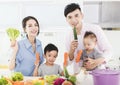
(12,61)
(15,46)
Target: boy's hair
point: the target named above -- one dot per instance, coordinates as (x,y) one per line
(50,47)
(71,7)
(90,34)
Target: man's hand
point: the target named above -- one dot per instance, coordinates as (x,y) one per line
(73,46)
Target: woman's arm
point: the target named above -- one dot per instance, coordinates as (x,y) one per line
(13,59)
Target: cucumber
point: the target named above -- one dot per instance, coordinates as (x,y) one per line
(75,33)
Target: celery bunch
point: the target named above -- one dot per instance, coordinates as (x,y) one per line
(13,33)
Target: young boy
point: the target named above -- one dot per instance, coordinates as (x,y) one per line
(90,52)
(49,67)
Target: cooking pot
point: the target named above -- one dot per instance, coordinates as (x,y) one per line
(106,77)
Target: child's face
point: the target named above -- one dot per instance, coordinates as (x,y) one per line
(89,43)
(51,57)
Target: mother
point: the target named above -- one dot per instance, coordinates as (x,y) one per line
(24,52)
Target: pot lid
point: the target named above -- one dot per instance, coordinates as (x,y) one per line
(105,71)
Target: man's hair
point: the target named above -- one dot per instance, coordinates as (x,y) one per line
(71,7)
(50,47)
(90,34)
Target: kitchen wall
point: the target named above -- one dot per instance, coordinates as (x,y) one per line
(53,25)
(50,13)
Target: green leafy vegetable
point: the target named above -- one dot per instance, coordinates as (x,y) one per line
(75,33)
(17,76)
(12,33)
(3,81)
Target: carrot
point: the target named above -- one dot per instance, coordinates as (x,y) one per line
(18,83)
(37,58)
(65,59)
(78,56)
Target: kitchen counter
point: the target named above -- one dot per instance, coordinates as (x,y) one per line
(84,79)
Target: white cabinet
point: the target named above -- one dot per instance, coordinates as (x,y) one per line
(91,11)
(104,13)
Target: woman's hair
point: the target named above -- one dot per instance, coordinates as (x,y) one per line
(90,35)
(50,47)
(28,18)
(70,8)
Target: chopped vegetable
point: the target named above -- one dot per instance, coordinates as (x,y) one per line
(75,33)
(78,56)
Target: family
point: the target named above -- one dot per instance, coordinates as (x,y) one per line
(29,58)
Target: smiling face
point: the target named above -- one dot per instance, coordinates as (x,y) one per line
(74,18)
(51,57)
(89,43)
(31,28)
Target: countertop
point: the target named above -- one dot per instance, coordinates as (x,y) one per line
(83,79)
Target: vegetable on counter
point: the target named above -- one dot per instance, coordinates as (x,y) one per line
(70,78)
(17,76)
(49,79)
(59,81)
(67,83)
(75,33)
(4,81)
(13,34)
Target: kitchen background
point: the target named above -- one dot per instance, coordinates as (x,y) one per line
(53,26)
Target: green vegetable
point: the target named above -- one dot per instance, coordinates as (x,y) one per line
(72,79)
(75,33)
(37,83)
(66,74)
(12,33)
(17,76)
(3,81)
(50,79)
